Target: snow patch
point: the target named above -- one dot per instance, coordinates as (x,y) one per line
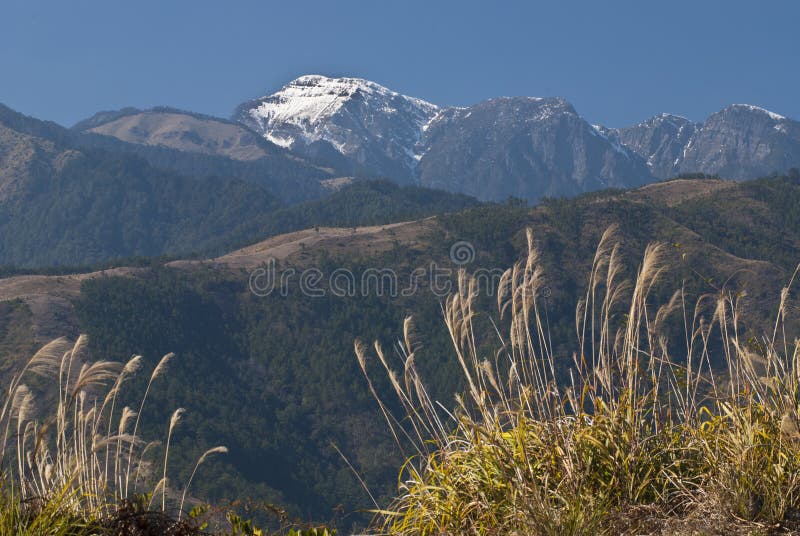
(600,130)
(759,109)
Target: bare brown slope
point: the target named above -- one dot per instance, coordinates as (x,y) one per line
(186,132)
(676,191)
(49,297)
(299,247)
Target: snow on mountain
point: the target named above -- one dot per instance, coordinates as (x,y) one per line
(759,109)
(660,141)
(375,127)
(523,147)
(350,121)
(519,146)
(743,141)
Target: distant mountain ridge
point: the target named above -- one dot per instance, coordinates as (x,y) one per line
(740,141)
(66,202)
(317,129)
(660,141)
(183,131)
(523,146)
(197,144)
(72,197)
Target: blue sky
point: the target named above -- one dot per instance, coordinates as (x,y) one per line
(618,62)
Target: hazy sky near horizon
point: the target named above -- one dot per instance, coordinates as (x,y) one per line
(618,62)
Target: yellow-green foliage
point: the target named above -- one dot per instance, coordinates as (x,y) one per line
(633,428)
(72,457)
(75,443)
(72,462)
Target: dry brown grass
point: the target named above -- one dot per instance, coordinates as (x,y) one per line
(80,457)
(636,441)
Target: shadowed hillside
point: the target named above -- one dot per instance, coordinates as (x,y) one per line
(285,383)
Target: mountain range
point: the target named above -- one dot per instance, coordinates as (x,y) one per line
(165,181)
(295,177)
(320,128)
(80,197)
(525,147)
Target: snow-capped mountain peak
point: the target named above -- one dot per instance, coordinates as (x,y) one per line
(659,140)
(668,118)
(509,146)
(347,113)
(757,109)
(740,141)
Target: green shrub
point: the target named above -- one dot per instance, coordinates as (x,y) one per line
(635,440)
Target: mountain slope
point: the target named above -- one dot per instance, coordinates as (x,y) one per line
(283,363)
(25,158)
(64,202)
(195,144)
(358,204)
(375,128)
(523,147)
(181,131)
(743,141)
(660,141)
(738,142)
(99,206)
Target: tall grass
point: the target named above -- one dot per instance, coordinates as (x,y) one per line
(74,455)
(628,435)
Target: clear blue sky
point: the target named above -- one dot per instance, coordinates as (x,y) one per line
(618,62)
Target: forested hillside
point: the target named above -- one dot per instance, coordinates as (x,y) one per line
(74,199)
(286,383)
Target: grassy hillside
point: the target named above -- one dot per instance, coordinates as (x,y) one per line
(274,377)
(650,435)
(284,176)
(358,204)
(70,198)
